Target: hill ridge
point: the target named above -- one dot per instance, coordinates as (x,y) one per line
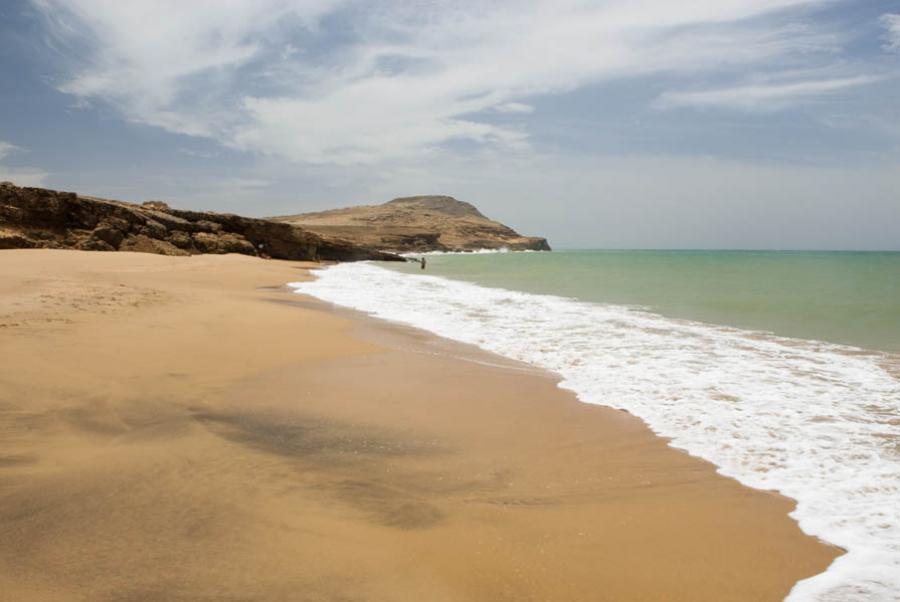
(416,224)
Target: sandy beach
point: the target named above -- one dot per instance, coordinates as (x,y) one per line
(185,428)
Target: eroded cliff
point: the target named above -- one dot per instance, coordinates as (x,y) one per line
(41,218)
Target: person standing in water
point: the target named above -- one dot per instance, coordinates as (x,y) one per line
(422,261)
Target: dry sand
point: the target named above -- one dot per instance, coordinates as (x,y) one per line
(181,429)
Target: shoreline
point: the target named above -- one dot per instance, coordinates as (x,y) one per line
(173,432)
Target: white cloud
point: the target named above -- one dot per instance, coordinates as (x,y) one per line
(7,149)
(198,154)
(892,23)
(514,107)
(145,55)
(761,96)
(413,75)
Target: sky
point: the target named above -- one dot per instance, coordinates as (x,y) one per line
(771,124)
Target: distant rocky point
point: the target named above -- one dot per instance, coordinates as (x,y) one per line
(415,224)
(49,219)
(41,218)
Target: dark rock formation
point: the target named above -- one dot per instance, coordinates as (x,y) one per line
(415,224)
(40,218)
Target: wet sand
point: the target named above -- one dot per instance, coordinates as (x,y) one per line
(186,429)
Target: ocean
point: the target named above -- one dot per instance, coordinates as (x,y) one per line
(782,368)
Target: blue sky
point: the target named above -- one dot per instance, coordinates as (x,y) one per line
(613,123)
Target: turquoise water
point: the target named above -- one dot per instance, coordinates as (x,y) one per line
(841,297)
(643,331)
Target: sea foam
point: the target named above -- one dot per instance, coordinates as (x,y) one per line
(817,422)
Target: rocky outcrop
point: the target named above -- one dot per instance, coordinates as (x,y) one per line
(416,224)
(40,218)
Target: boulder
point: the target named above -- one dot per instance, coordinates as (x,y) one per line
(94,244)
(10,239)
(156,205)
(110,232)
(141,243)
(204,225)
(180,239)
(153,229)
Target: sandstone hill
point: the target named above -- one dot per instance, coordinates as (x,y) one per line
(40,218)
(416,224)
